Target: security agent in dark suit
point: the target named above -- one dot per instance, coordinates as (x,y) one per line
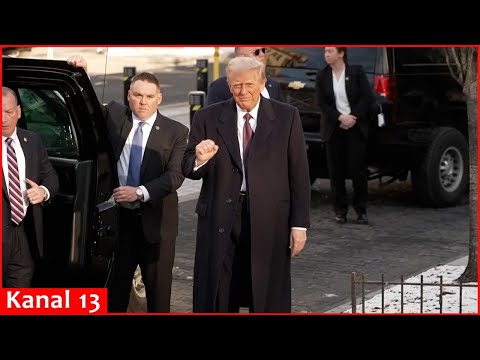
(29,181)
(149,149)
(254,205)
(345,99)
(218,90)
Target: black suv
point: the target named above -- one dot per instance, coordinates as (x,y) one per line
(59,103)
(425,116)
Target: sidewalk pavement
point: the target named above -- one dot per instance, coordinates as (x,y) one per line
(321,273)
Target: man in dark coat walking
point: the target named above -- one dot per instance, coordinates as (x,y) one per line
(254,205)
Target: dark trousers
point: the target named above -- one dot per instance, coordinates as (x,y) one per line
(156,264)
(17,261)
(346,156)
(235,284)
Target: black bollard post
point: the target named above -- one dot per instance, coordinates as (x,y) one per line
(196,100)
(128,73)
(202,75)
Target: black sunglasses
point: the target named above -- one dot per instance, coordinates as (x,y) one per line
(257,51)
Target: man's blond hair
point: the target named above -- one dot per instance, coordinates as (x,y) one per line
(243,63)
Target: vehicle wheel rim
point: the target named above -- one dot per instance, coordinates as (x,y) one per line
(451,169)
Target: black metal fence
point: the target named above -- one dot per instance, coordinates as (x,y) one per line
(359,279)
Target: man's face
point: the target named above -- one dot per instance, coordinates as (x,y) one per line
(11,112)
(246,87)
(256,52)
(144,99)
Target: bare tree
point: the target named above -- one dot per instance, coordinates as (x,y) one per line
(463,66)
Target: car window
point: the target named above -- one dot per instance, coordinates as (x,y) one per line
(46,114)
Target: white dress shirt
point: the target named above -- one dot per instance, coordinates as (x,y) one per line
(265,93)
(240,125)
(124,159)
(341,99)
(21,169)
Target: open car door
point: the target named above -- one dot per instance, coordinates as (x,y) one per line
(80,230)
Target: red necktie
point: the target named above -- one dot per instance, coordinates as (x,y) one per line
(14,191)
(247,135)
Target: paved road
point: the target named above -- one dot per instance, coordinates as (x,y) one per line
(402,239)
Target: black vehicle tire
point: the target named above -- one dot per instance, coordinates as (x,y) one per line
(442,177)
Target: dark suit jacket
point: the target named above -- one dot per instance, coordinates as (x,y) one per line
(160,173)
(218,90)
(359,94)
(38,169)
(279,195)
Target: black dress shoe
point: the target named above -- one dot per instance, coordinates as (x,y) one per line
(340,219)
(362,219)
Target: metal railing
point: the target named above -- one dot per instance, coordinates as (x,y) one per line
(360,279)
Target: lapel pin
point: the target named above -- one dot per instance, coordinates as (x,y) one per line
(346,78)
(157,127)
(25,139)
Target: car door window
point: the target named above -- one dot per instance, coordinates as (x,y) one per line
(45,113)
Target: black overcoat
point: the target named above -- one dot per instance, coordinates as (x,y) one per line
(279,193)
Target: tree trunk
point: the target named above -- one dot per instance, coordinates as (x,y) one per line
(471,91)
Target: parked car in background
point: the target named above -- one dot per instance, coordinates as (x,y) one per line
(424,133)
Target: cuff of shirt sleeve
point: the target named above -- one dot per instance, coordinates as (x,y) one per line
(299,228)
(198,166)
(47,196)
(146,195)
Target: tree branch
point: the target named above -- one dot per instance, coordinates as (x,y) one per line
(451,55)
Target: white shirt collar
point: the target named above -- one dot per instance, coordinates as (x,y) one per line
(150,121)
(254,111)
(14,136)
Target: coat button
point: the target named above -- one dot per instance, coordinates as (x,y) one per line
(229,201)
(234,170)
(221,230)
